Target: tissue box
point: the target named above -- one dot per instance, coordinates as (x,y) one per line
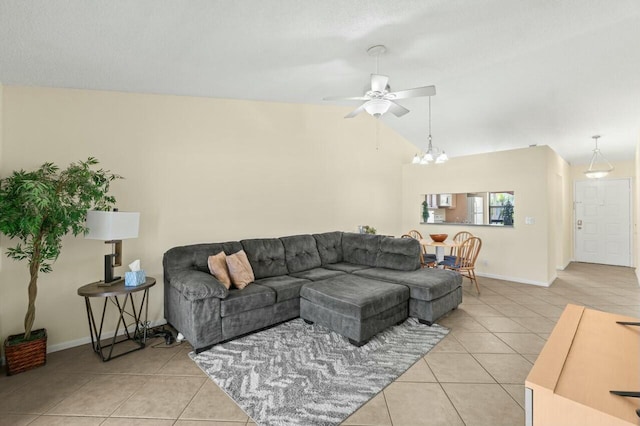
(133,279)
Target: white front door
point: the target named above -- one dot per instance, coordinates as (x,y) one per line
(602,223)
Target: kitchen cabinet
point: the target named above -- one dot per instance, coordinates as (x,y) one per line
(432,201)
(446,200)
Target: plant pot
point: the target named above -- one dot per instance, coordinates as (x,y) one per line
(22,356)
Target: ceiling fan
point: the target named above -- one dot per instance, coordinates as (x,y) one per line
(379,99)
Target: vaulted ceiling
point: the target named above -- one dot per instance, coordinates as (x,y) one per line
(508,73)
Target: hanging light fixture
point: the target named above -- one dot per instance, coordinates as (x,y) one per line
(377,107)
(599,166)
(432,152)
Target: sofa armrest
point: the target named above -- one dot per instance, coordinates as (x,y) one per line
(196,285)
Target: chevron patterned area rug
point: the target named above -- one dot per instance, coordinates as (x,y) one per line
(300,374)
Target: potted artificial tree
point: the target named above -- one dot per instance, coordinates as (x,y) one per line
(425,211)
(38,208)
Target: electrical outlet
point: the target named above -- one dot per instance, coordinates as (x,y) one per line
(529,220)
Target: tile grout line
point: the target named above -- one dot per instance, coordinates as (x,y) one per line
(386,404)
(452,404)
(192,398)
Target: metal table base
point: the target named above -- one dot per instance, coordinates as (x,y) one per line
(126,306)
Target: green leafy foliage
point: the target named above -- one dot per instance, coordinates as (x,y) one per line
(425,211)
(40,207)
(507,213)
(369,229)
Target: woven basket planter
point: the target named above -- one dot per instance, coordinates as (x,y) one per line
(24,356)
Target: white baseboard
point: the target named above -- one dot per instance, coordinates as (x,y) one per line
(87,339)
(516,279)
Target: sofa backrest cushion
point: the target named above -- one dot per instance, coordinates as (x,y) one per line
(329,247)
(402,254)
(266,256)
(195,256)
(301,253)
(361,249)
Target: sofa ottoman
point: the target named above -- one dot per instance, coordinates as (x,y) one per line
(355,307)
(434,292)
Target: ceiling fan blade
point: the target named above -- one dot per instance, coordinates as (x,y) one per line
(397,110)
(340,98)
(379,82)
(355,112)
(412,93)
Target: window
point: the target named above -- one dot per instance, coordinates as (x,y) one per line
(501,207)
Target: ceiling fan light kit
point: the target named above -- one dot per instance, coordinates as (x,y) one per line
(377,107)
(379,100)
(599,167)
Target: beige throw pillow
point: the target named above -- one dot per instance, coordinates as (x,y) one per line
(240,269)
(218,268)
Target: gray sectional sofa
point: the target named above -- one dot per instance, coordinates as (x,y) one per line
(355,284)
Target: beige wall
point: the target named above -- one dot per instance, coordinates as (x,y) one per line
(560,193)
(637,206)
(524,253)
(198,170)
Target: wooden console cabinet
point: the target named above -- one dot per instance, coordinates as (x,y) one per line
(587,355)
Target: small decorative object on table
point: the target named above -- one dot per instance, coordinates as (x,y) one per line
(369,229)
(136,277)
(438,238)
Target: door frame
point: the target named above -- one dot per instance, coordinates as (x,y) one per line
(630,230)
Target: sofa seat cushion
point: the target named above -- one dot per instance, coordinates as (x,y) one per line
(317,274)
(354,296)
(346,267)
(425,284)
(285,286)
(300,253)
(251,297)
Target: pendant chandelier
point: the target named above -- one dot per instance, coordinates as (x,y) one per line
(599,166)
(432,153)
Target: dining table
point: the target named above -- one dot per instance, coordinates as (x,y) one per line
(440,246)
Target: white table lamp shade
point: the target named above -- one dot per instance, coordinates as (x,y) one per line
(109,225)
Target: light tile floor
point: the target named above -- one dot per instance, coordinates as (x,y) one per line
(475,376)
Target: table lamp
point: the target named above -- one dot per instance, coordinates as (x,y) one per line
(112,227)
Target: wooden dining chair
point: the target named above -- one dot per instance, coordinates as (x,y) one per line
(459,238)
(414,234)
(465,260)
(428,260)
